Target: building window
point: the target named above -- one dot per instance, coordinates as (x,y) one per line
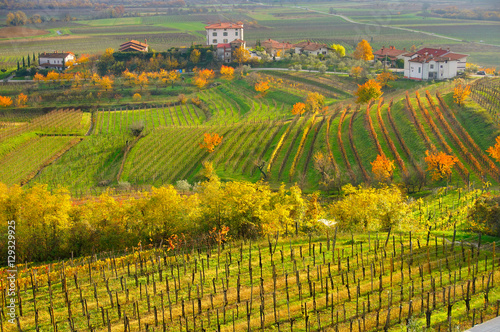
(432,66)
(441,66)
(214,34)
(225,34)
(419,70)
(224,41)
(214,41)
(236,33)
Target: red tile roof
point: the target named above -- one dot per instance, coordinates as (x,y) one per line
(432,51)
(390,52)
(276,44)
(225,25)
(237,41)
(133,44)
(220,45)
(456,56)
(56,55)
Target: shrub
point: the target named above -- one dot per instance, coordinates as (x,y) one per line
(484,216)
(136,128)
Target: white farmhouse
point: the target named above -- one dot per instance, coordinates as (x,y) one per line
(433,64)
(223,33)
(311,48)
(55,60)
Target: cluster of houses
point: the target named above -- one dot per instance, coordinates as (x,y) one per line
(226,37)
(426,63)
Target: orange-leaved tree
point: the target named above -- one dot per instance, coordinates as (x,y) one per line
(461,92)
(356,71)
(382,168)
(371,90)
(38,77)
(363,51)
(494,150)
(298,108)
(5,101)
(385,77)
(128,76)
(21,100)
(262,87)
(440,164)
(210,141)
(227,72)
(203,77)
(52,76)
(314,102)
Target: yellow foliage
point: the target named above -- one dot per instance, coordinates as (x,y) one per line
(356,71)
(363,51)
(370,208)
(314,102)
(136,97)
(227,72)
(241,55)
(384,77)
(371,90)
(461,92)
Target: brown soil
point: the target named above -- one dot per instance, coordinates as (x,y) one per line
(13,32)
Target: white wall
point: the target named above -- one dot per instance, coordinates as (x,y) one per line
(223,36)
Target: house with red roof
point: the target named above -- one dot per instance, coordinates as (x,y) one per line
(390,55)
(311,48)
(223,32)
(55,60)
(134,46)
(274,47)
(433,64)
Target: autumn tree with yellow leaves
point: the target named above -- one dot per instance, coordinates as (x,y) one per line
(371,90)
(440,164)
(315,102)
(461,92)
(385,77)
(227,72)
(210,141)
(194,57)
(363,51)
(383,168)
(241,55)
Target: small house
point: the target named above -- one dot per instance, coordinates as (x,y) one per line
(55,60)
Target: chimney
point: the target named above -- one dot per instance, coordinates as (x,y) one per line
(404,49)
(383,47)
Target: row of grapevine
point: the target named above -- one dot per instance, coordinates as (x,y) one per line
(281,141)
(60,122)
(301,146)
(464,173)
(336,284)
(371,128)
(389,141)
(487,162)
(469,157)
(402,142)
(297,130)
(22,164)
(486,92)
(341,145)
(354,149)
